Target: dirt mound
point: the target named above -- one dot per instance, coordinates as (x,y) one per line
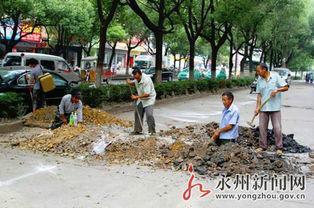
(247,137)
(50,141)
(175,148)
(44,117)
(143,150)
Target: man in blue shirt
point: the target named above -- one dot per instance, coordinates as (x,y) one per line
(229,125)
(269,85)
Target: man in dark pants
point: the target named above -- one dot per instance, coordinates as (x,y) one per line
(38,95)
(145,100)
(269,85)
(69,103)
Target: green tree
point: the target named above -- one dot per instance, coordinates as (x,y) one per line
(178,45)
(136,31)
(18,19)
(66,23)
(193,16)
(105,10)
(116,33)
(157,15)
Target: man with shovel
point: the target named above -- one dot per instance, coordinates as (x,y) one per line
(268,104)
(144,100)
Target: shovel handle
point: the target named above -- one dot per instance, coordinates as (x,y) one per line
(264,103)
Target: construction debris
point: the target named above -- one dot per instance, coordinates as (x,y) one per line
(175,148)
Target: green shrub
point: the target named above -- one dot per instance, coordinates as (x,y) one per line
(121,93)
(12,105)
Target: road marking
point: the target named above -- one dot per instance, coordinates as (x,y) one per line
(39,169)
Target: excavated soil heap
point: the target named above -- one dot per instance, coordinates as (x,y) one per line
(45,116)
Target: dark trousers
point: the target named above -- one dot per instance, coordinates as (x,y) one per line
(263,126)
(38,99)
(139,114)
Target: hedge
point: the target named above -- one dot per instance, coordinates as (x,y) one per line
(95,97)
(12,105)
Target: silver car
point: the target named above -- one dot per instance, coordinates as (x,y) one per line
(284,73)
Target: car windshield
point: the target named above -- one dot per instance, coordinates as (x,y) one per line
(12,61)
(8,75)
(150,71)
(281,72)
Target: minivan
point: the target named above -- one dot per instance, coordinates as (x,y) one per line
(49,62)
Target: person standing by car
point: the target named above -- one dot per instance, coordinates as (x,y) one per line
(145,100)
(269,85)
(38,97)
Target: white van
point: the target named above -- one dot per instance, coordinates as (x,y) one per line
(49,62)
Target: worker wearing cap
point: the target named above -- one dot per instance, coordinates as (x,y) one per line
(145,100)
(269,85)
(229,125)
(70,103)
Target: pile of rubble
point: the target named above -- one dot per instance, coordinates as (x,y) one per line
(175,148)
(179,147)
(44,117)
(248,137)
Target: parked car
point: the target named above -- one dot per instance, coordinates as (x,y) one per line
(52,63)
(167,74)
(18,81)
(184,74)
(284,73)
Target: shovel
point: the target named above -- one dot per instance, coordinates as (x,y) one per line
(137,112)
(250,123)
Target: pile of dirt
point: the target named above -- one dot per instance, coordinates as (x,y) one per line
(175,148)
(99,117)
(228,160)
(44,117)
(142,151)
(247,137)
(48,142)
(71,141)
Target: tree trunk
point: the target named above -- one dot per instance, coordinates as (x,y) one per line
(101,55)
(158,59)
(113,53)
(230,56)
(271,60)
(191,60)
(251,51)
(242,63)
(128,60)
(214,62)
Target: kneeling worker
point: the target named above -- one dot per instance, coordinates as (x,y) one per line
(70,103)
(229,125)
